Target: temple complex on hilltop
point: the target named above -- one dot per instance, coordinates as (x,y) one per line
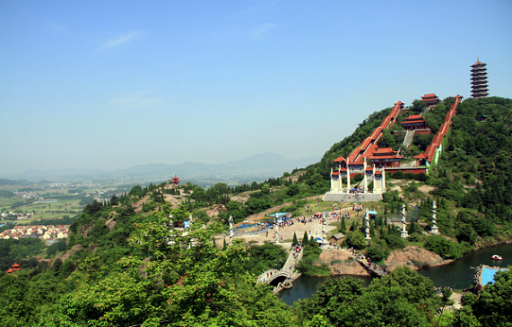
(373,162)
(479,80)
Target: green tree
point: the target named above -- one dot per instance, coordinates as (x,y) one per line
(180,213)
(356,240)
(293,190)
(295,240)
(494,307)
(305,239)
(184,284)
(343,227)
(378,250)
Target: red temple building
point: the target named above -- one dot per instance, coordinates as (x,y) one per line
(14,267)
(175,181)
(385,157)
(479,80)
(414,122)
(430,100)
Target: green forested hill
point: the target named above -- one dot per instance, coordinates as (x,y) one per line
(129,268)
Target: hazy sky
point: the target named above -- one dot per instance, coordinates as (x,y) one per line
(111,84)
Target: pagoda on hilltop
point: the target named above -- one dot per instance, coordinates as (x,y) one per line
(175,181)
(479,80)
(14,267)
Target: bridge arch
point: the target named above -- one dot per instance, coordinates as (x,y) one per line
(279,279)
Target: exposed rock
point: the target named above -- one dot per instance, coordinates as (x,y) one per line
(414,257)
(215,210)
(138,205)
(295,177)
(111,223)
(68,254)
(84,230)
(340,264)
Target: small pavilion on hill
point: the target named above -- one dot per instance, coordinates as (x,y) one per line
(414,122)
(14,267)
(430,100)
(175,181)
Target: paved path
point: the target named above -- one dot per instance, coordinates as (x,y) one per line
(408,138)
(374,271)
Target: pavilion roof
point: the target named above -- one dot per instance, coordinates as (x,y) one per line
(340,159)
(421,156)
(478,63)
(429,97)
(384,150)
(414,117)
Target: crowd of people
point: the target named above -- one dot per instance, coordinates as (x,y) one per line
(296,250)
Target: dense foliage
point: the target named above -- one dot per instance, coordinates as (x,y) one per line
(404,298)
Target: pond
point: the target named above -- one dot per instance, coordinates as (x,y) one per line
(457,274)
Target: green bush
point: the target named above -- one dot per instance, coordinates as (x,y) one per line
(416,237)
(395,242)
(356,240)
(466,233)
(443,247)
(378,250)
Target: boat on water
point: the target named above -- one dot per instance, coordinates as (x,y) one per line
(496,257)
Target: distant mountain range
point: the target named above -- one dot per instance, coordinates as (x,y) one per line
(257,167)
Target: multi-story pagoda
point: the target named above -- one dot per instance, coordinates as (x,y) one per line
(479,80)
(175,181)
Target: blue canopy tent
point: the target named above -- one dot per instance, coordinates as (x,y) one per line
(281,216)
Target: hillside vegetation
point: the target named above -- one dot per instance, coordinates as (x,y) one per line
(126,263)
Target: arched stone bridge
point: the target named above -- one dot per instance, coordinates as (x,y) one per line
(282,278)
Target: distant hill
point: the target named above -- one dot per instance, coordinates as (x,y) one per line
(257,167)
(4,181)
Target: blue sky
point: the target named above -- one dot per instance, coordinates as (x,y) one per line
(112,84)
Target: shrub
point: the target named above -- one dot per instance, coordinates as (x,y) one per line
(395,242)
(378,250)
(416,237)
(483,227)
(443,247)
(356,240)
(466,233)
(398,175)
